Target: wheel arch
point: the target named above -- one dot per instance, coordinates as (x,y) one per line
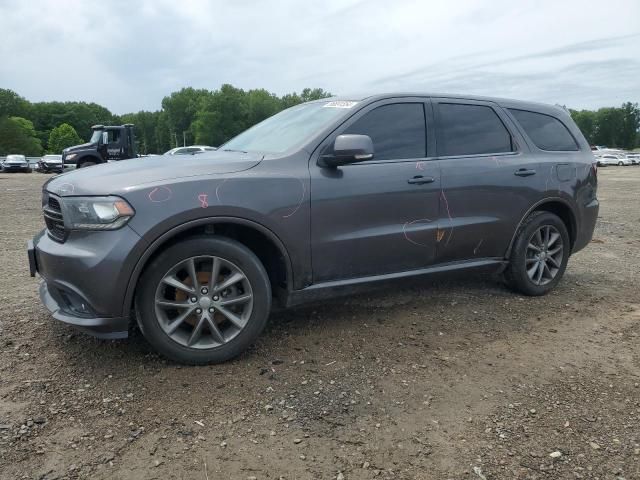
(259,239)
(558,206)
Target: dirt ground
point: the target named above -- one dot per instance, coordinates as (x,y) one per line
(454,377)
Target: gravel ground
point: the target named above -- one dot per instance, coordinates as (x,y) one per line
(454,377)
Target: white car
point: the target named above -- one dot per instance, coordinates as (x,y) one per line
(190,150)
(50,163)
(612,159)
(634,157)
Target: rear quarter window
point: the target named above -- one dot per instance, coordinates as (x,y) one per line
(545,131)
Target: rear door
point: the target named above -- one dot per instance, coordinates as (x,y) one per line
(378,216)
(489,179)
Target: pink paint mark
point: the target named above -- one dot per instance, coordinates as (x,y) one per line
(420,166)
(160,194)
(404,231)
(202,198)
(446,204)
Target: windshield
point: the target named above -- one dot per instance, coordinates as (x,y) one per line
(288,128)
(96,136)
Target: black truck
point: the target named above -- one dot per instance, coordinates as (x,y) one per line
(107,144)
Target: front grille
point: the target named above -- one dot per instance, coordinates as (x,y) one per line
(53,219)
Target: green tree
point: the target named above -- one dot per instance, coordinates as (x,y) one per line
(181,109)
(12,104)
(17,135)
(63,136)
(630,125)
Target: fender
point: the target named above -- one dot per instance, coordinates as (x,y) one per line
(531,209)
(163,238)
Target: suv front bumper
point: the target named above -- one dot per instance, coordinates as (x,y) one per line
(108,328)
(83,282)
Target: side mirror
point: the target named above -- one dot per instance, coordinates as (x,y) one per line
(105,138)
(348,149)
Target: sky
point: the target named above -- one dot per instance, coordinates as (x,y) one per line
(128,54)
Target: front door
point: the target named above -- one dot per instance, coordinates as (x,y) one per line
(489,179)
(378,216)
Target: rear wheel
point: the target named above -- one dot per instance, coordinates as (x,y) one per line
(203,300)
(540,254)
(620,164)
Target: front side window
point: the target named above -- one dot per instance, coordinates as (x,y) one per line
(398,131)
(545,131)
(470,130)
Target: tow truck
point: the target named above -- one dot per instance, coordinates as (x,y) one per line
(107,144)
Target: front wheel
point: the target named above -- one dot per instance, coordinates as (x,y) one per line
(203,300)
(539,255)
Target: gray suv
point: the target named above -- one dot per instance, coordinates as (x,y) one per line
(318,200)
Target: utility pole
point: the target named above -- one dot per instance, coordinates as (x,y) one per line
(184,139)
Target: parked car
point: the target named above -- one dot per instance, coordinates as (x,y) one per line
(16,163)
(190,150)
(623,159)
(634,158)
(319,200)
(50,163)
(605,160)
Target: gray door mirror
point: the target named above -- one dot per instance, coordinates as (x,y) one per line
(348,149)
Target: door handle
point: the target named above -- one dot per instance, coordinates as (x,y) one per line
(420,180)
(524,172)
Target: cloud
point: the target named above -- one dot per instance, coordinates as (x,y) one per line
(128,55)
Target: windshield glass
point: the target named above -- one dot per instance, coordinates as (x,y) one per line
(95,136)
(288,128)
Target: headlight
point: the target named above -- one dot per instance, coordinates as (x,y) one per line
(96,213)
(71,156)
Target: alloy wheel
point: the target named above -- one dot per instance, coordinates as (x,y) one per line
(203,302)
(544,254)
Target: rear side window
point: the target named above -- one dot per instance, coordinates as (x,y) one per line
(398,131)
(545,131)
(470,130)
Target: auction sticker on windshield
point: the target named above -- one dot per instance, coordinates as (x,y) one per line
(340,104)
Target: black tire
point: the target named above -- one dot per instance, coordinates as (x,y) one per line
(221,247)
(516,274)
(87,164)
(620,164)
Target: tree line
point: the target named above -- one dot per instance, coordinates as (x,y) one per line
(211,117)
(191,116)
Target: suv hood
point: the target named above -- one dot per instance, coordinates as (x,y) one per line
(126,175)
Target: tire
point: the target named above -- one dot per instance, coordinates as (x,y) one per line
(517,274)
(87,164)
(620,164)
(232,337)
